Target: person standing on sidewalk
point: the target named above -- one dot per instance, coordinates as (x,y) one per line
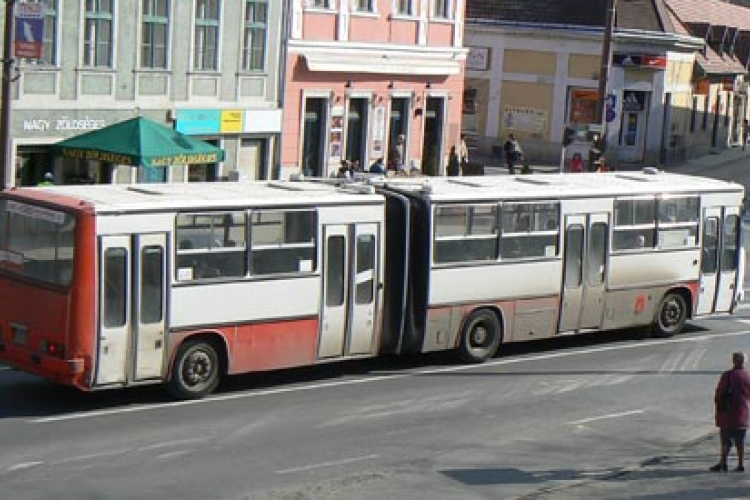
(732,401)
(745,132)
(513,153)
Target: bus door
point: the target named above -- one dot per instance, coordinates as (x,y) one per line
(350,289)
(719,254)
(131,308)
(584,272)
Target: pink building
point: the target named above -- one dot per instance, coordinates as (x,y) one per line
(362,73)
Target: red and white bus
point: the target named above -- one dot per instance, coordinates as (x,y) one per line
(182,284)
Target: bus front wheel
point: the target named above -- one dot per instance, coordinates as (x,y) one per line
(480,337)
(671,315)
(196,370)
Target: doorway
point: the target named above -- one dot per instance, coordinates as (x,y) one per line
(313,137)
(433,136)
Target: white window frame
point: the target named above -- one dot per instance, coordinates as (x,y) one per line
(168,59)
(255,26)
(194,27)
(440,5)
(86,52)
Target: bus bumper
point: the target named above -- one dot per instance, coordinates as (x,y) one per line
(64,371)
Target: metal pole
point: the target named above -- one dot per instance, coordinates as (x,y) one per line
(604,72)
(5,99)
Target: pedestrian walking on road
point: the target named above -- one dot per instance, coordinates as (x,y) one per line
(732,402)
(745,132)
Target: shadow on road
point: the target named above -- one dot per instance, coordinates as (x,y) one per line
(23,395)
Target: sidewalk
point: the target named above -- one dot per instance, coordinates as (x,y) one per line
(680,474)
(694,166)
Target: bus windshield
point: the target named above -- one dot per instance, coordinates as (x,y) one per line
(37,242)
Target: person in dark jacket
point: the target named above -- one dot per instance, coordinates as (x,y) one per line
(732,401)
(454,165)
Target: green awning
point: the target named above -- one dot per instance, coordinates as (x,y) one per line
(139,141)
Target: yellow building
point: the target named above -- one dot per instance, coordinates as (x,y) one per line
(536,74)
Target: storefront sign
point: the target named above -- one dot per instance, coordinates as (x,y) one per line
(198,121)
(640,61)
(62,124)
(478,58)
(29,30)
(525,119)
(231,121)
(583,104)
(633,101)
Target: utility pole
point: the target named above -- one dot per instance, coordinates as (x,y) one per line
(606,62)
(5,99)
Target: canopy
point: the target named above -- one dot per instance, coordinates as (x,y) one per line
(139,141)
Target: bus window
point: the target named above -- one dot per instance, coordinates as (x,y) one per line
(114,305)
(597,253)
(465,233)
(210,245)
(678,222)
(39,243)
(283,241)
(710,245)
(530,230)
(335,273)
(635,223)
(365,290)
(729,254)
(152,278)
(573,253)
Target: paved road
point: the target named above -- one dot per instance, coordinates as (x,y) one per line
(536,417)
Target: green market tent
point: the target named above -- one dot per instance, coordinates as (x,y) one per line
(139,141)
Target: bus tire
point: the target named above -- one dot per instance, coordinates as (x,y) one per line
(480,337)
(196,370)
(670,316)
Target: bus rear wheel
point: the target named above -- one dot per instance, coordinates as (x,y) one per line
(195,373)
(480,337)
(671,315)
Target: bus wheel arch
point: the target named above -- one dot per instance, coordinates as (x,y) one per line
(480,335)
(672,312)
(198,366)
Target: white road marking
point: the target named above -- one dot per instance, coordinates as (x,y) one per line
(167,444)
(3,368)
(321,465)
(743,321)
(91,456)
(382,378)
(606,417)
(24,465)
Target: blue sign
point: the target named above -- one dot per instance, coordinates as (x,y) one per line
(29,30)
(198,121)
(610,107)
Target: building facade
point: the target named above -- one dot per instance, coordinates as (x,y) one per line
(534,70)
(370,79)
(208,68)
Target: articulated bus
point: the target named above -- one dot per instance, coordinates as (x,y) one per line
(182,284)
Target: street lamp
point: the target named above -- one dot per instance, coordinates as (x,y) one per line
(5,100)
(604,72)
